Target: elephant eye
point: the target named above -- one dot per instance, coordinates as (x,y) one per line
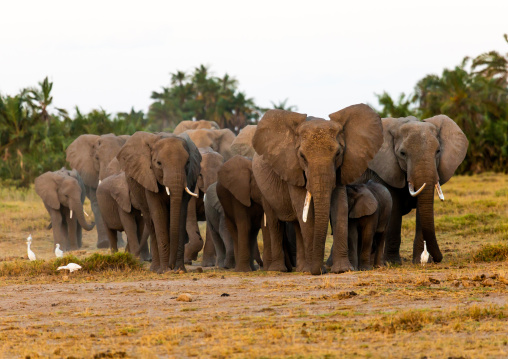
(159,163)
(303,157)
(438,151)
(403,153)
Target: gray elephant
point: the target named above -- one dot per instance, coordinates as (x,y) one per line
(119,215)
(216,224)
(302,165)
(211,161)
(369,206)
(242,144)
(90,156)
(63,194)
(195,125)
(218,140)
(416,158)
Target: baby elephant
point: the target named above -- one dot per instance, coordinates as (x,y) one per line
(369,208)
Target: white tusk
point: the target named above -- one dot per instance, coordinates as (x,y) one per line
(167,190)
(264,218)
(204,197)
(99,182)
(71,213)
(86,213)
(190,192)
(439,192)
(412,190)
(306,206)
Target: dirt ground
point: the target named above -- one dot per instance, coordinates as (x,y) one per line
(455,309)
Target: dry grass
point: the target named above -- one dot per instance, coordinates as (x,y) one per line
(453,309)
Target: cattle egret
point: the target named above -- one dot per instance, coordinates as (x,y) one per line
(29,238)
(425,255)
(71,267)
(31,255)
(58,251)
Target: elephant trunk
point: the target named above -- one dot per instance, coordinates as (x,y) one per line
(321,200)
(77,208)
(425,213)
(176,187)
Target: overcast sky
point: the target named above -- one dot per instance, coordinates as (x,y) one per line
(322,55)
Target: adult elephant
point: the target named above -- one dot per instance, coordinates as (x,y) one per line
(160,169)
(211,161)
(90,156)
(218,140)
(301,164)
(242,144)
(416,157)
(195,125)
(63,194)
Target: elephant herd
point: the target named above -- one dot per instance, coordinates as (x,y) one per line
(291,176)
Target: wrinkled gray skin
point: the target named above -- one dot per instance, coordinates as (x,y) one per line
(242,145)
(211,161)
(218,140)
(61,192)
(296,154)
(90,156)
(195,125)
(118,213)
(416,152)
(216,223)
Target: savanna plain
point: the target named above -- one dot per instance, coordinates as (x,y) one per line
(116,308)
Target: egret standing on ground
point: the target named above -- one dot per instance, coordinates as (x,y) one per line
(71,267)
(425,255)
(31,255)
(58,251)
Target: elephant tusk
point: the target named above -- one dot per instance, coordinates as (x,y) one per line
(264,218)
(99,183)
(306,206)
(167,190)
(439,192)
(71,213)
(190,192)
(86,213)
(204,197)
(412,190)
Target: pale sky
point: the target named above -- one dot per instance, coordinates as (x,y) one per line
(322,55)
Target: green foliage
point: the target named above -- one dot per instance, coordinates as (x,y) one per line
(475,95)
(492,253)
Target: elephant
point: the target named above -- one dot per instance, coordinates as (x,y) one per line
(241,201)
(210,164)
(195,125)
(216,224)
(160,170)
(242,145)
(369,208)
(219,140)
(118,213)
(63,194)
(90,156)
(302,165)
(416,157)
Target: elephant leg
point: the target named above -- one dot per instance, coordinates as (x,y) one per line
(195,241)
(243,253)
(339,214)
(227,239)
(329,261)
(72,230)
(233,231)
(143,234)
(209,257)
(276,229)
(301,263)
(368,232)
(80,235)
(257,254)
(131,230)
(393,236)
(159,214)
(377,256)
(352,239)
(59,230)
(218,243)
(102,236)
(113,239)
(267,247)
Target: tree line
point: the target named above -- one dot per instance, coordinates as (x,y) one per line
(34,134)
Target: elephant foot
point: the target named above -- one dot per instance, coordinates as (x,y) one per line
(154,268)
(342,266)
(304,268)
(365,267)
(103,244)
(277,267)
(179,270)
(244,268)
(329,261)
(163,270)
(208,262)
(229,263)
(393,259)
(188,262)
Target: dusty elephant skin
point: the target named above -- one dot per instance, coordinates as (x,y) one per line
(210,164)
(90,155)
(305,159)
(242,206)
(416,157)
(242,145)
(218,140)
(195,125)
(160,170)
(63,194)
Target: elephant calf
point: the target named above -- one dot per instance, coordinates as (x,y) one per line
(369,207)
(63,194)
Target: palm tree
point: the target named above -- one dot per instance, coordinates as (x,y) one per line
(39,99)
(282,105)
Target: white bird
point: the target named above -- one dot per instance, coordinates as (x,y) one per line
(71,267)
(31,255)
(29,238)
(424,258)
(58,251)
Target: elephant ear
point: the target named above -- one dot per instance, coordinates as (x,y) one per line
(135,158)
(363,136)
(275,140)
(453,146)
(385,162)
(119,190)
(194,167)
(364,202)
(46,186)
(235,175)
(80,157)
